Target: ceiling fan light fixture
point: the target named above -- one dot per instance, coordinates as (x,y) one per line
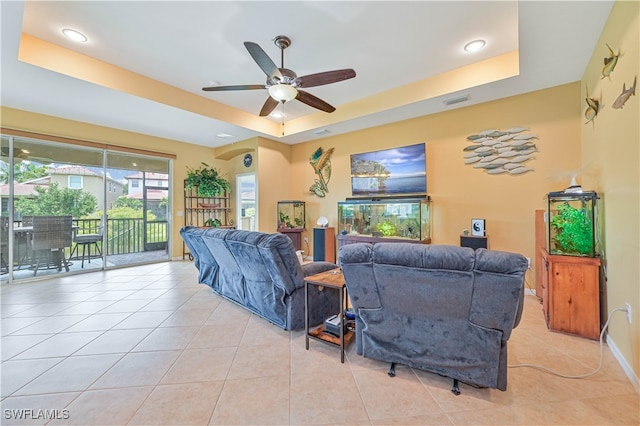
(474,46)
(74,35)
(283,92)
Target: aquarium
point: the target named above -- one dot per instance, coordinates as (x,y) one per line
(404,218)
(291,214)
(572,223)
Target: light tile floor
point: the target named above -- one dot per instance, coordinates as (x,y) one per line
(148,345)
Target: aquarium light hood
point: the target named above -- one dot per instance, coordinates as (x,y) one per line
(574,188)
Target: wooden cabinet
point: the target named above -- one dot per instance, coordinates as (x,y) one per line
(295,234)
(571,294)
(540,244)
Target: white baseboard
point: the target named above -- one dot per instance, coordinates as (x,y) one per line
(635,381)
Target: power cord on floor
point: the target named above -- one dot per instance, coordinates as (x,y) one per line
(306,242)
(580,376)
(531,289)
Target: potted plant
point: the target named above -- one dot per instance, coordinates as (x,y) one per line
(212,223)
(207,181)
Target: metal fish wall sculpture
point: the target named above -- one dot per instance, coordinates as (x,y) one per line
(610,62)
(593,107)
(625,95)
(320,160)
(498,152)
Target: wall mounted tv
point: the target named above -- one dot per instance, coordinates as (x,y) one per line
(390,172)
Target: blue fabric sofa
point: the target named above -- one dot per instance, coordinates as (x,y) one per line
(260,272)
(444,309)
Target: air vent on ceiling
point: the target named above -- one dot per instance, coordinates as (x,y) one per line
(457,99)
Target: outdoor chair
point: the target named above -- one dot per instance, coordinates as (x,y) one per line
(21,241)
(4,244)
(87,240)
(51,236)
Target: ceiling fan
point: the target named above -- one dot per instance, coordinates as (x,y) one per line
(283,84)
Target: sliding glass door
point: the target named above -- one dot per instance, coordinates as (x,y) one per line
(69,208)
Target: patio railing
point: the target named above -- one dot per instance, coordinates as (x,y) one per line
(128,235)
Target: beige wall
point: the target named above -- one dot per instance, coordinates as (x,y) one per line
(459,191)
(611,156)
(272,164)
(275,181)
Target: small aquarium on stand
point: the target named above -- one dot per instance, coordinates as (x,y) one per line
(572,219)
(572,279)
(291,220)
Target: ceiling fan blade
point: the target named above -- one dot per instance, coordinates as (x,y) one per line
(263,60)
(268,106)
(327,77)
(313,101)
(239,87)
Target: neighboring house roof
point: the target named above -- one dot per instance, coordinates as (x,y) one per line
(149,176)
(19,189)
(44,180)
(27,187)
(152,194)
(80,171)
(72,170)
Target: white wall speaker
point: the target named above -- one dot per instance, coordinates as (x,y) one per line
(477,227)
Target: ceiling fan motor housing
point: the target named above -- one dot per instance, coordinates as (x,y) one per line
(288,77)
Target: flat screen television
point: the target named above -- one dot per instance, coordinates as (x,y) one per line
(390,172)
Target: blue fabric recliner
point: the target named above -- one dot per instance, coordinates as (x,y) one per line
(260,272)
(444,309)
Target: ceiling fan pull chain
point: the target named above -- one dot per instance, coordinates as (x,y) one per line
(282,118)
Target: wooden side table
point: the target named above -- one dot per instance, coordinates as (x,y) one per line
(331,279)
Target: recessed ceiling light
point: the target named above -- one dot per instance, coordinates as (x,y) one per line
(74,35)
(276,114)
(474,46)
(224,135)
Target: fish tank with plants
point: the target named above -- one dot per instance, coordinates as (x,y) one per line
(393,218)
(291,214)
(572,223)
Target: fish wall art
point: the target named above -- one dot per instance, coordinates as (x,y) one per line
(320,160)
(497,152)
(625,95)
(593,107)
(610,62)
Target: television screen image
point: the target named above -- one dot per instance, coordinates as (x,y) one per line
(395,171)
